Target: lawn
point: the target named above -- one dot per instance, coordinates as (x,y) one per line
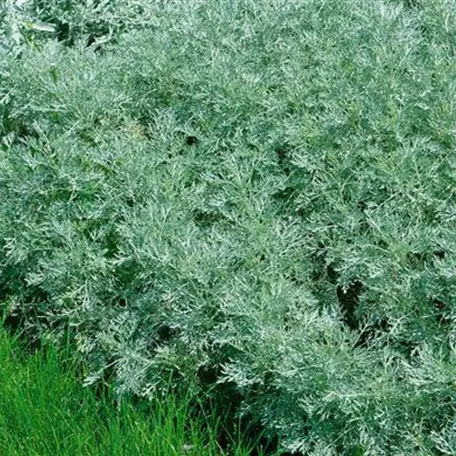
(45,410)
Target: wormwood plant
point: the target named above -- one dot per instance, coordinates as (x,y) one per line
(256,197)
(93,22)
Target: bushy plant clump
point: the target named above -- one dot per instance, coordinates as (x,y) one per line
(256,197)
(93,22)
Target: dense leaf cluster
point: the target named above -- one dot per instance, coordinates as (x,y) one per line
(258,194)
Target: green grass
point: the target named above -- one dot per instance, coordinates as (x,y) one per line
(45,410)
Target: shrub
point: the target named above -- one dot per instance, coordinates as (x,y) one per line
(257,198)
(90,22)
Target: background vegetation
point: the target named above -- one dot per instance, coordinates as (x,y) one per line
(255,198)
